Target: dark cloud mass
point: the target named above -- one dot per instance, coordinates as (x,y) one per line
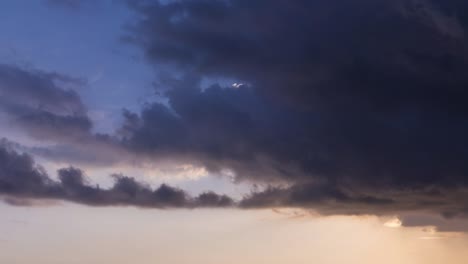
(19,176)
(21,179)
(23,182)
(347,107)
(360,106)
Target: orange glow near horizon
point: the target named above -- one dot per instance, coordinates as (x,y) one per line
(77,234)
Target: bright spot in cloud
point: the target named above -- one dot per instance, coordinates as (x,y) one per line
(393,223)
(179,172)
(237,85)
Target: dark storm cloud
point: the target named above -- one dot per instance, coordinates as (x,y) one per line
(22,180)
(363,100)
(43,103)
(316,52)
(236,128)
(222,128)
(351,107)
(23,183)
(438,202)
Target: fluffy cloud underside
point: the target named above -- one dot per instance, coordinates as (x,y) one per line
(22,180)
(357,106)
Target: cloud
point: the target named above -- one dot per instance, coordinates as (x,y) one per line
(47,107)
(357,106)
(313,52)
(266,143)
(44,104)
(350,108)
(326,199)
(22,182)
(19,176)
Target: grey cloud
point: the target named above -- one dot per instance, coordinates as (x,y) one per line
(22,180)
(436,202)
(38,89)
(360,106)
(46,107)
(23,183)
(19,176)
(42,104)
(315,52)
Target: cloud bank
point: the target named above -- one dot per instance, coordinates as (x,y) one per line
(349,107)
(22,180)
(359,106)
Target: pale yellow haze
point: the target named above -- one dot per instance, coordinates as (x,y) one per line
(72,234)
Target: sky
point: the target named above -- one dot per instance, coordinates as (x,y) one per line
(233,131)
